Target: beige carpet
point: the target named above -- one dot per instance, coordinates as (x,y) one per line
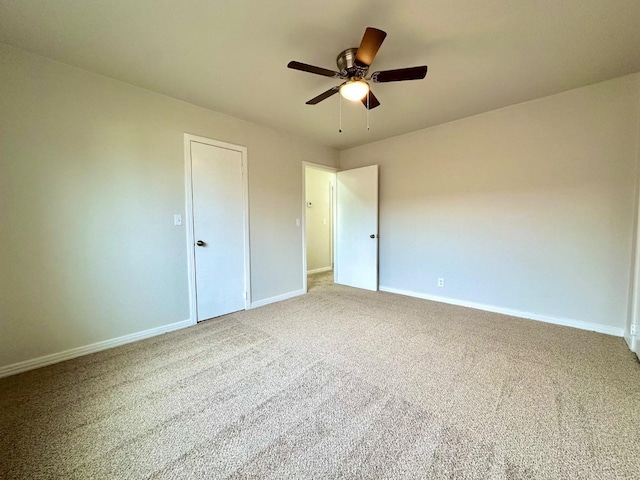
(339,383)
(319,280)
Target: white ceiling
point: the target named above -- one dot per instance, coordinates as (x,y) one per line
(231,56)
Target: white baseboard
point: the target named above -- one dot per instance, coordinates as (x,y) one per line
(319,270)
(87,349)
(566,322)
(632,343)
(278,298)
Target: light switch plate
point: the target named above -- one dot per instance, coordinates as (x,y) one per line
(177,219)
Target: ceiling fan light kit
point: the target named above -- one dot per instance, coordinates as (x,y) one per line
(353,66)
(354,90)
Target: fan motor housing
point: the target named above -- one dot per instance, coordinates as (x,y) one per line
(347,66)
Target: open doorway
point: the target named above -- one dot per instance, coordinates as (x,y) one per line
(319,231)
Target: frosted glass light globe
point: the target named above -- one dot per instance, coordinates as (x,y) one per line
(354,90)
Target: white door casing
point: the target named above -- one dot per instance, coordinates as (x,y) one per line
(217,218)
(356,248)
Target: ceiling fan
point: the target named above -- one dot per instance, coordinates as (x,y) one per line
(353,66)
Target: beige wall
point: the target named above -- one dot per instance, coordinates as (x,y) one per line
(91,174)
(634,297)
(318,218)
(527,209)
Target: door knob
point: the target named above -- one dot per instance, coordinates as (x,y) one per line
(200,243)
(372,235)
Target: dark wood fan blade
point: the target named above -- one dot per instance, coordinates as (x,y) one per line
(312,69)
(369,46)
(400,74)
(373,101)
(324,96)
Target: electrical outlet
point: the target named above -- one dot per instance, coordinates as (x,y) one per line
(441,282)
(634,329)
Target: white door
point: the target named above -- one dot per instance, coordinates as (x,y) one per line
(356,249)
(218,229)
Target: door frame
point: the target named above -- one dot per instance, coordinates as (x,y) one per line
(191,254)
(316,166)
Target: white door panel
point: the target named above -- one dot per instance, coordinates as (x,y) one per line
(356,252)
(218,223)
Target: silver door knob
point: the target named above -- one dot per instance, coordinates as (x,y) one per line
(200,243)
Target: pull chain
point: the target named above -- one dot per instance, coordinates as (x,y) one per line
(368,103)
(340,111)
(340,127)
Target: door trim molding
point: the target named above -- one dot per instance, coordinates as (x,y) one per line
(191,261)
